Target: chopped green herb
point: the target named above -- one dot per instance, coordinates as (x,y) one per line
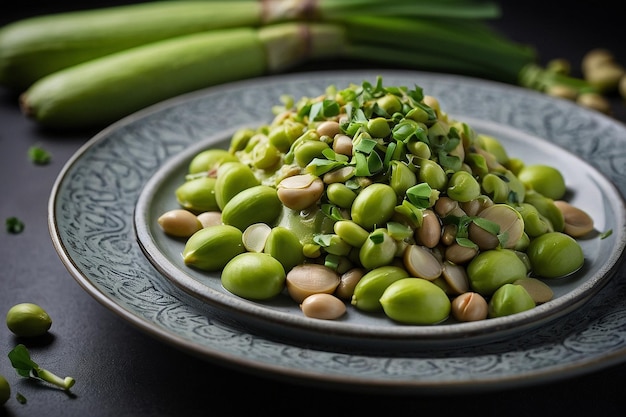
(14,225)
(419,195)
(39,155)
(606,234)
(26,367)
(20,398)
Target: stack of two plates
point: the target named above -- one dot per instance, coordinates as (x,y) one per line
(105,203)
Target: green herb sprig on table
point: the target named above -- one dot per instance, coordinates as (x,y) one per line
(38,155)
(14,225)
(26,367)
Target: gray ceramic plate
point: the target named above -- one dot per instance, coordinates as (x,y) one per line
(136,162)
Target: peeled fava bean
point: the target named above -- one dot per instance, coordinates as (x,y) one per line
(509,222)
(300,191)
(539,291)
(253,275)
(470,306)
(415,301)
(210,218)
(179,223)
(429,232)
(421,262)
(555,255)
(210,248)
(28,320)
(577,222)
(510,299)
(307,279)
(323,306)
(348,282)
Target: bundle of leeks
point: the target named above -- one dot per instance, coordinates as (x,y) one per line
(89,68)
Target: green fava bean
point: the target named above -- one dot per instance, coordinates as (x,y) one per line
(546,180)
(510,299)
(415,301)
(197,195)
(555,255)
(494,147)
(351,233)
(463,187)
(340,195)
(283,136)
(546,207)
(491,269)
(433,174)
(210,159)
(496,187)
(254,275)
(378,127)
(232,178)
(258,204)
(209,249)
(265,156)
(240,139)
(306,151)
(378,250)
(370,288)
(389,103)
(402,177)
(285,246)
(534,223)
(28,320)
(374,205)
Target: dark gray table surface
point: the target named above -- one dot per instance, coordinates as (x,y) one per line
(120,371)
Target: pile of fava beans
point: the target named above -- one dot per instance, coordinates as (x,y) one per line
(373,198)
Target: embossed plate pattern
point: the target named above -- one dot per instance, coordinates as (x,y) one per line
(91,222)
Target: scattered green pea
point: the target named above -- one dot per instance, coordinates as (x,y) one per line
(28,320)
